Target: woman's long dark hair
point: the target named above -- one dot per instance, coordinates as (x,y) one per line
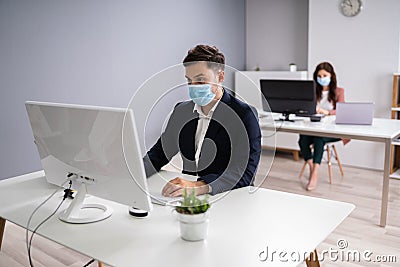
(332,85)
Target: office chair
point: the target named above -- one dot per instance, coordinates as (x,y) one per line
(328,148)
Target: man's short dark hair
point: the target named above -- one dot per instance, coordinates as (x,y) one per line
(206,53)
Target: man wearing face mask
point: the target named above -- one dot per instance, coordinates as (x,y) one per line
(217,135)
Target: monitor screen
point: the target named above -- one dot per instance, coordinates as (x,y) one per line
(289,96)
(95,144)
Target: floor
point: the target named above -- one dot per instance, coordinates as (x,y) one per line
(359,233)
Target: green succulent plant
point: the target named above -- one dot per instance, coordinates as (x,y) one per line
(191,204)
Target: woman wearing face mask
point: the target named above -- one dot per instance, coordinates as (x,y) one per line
(327,95)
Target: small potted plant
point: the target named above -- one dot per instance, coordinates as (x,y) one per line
(193,216)
(292,67)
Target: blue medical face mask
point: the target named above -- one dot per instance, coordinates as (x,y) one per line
(324,81)
(201,94)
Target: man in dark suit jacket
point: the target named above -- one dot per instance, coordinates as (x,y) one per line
(217,135)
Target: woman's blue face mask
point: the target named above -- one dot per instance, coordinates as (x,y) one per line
(201,94)
(325,81)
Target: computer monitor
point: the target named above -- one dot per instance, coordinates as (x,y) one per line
(92,146)
(289,97)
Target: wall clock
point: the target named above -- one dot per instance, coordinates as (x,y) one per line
(351,8)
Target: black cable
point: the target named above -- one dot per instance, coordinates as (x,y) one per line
(35,210)
(29,245)
(87,264)
(34,232)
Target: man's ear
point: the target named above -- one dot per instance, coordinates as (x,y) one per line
(221,76)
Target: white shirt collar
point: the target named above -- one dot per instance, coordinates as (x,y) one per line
(200,111)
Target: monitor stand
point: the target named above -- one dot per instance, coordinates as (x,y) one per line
(77,212)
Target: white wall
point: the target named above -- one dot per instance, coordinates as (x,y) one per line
(97,52)
(276,34)
(365,52)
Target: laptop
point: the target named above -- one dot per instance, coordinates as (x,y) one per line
(356,113)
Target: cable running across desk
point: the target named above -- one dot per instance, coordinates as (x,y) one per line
(29,244)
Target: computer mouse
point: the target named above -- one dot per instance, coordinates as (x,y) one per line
(138,212)
(315,118)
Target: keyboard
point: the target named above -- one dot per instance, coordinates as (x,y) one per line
(158,180)
(159,199)
(309,115)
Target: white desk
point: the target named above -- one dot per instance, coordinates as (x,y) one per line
(242,225)
(382,130)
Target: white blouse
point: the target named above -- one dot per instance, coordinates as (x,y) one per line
(324,103)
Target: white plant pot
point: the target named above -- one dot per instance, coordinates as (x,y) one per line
(194,227)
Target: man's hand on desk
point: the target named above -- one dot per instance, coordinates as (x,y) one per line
(175,187)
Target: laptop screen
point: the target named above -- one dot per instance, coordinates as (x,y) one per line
(354,113)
